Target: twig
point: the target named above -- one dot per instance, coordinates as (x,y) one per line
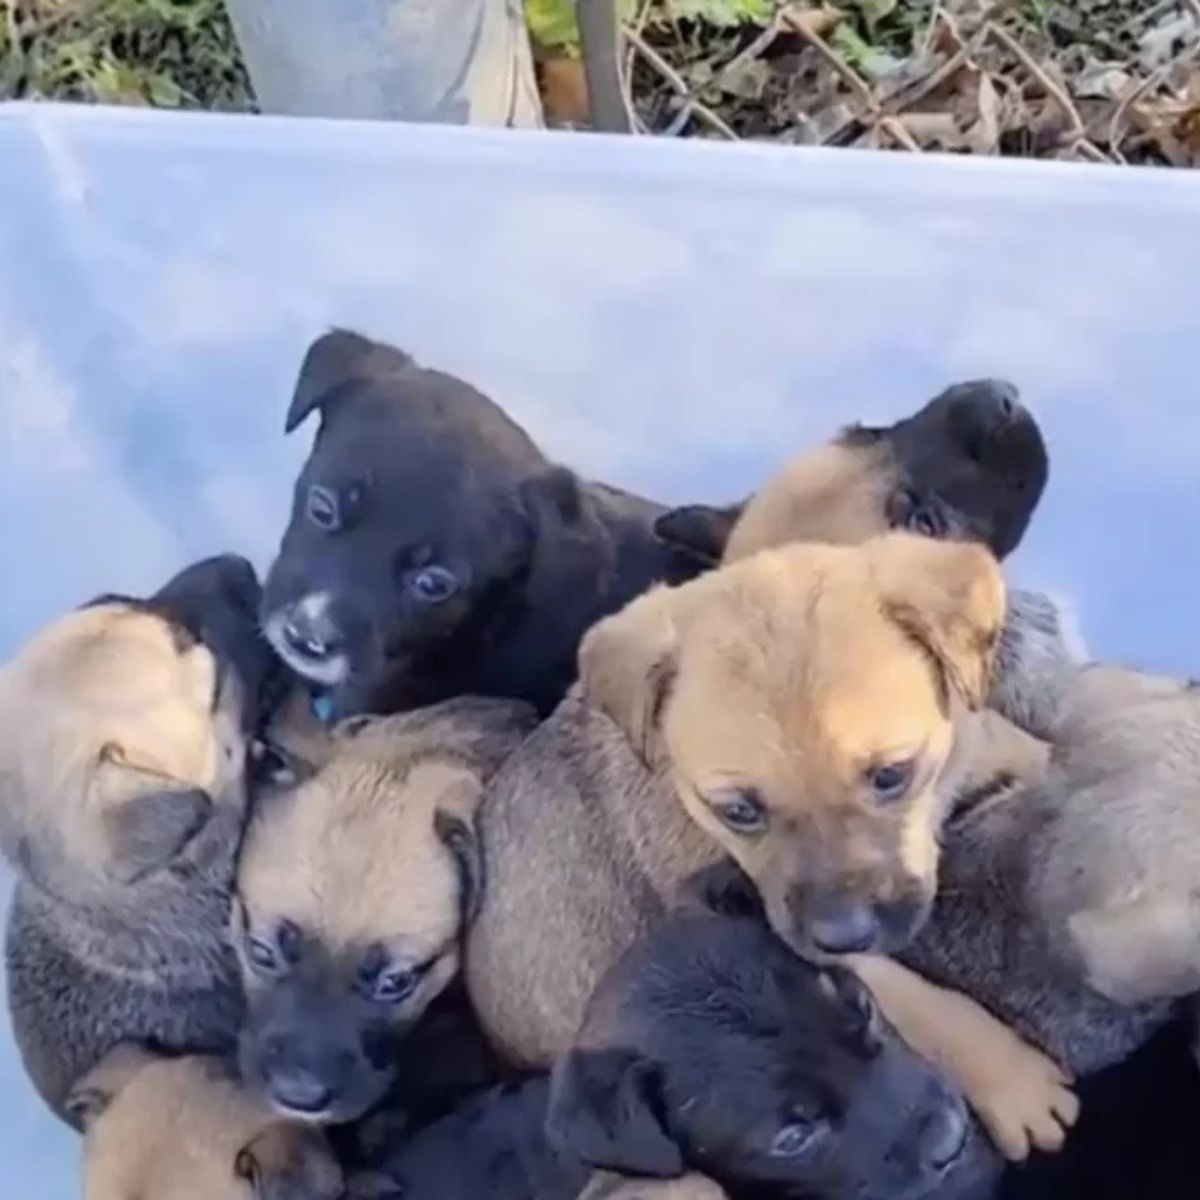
(1089,150)
(752,51)
(1116,132)
(679,84)
(894,128)
(917,91)
(1000,34)
(852,78)
(1194,7)
(638,24)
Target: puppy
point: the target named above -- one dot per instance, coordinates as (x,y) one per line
(709,1046)
(1068,899)
(123,799)
(970,465)
(182,1128)
(354,893)
(433,550)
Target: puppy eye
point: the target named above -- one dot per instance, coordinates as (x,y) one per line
(393,987)
(264,956)
(794,1139)
(742,811)
(322,508)
(432,585)
(891,780)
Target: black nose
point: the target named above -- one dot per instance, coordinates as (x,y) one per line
(312,636)
(993,402)
(299,1091)
(943,1134)
(844,927)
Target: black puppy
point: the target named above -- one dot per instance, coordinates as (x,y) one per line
(434,551)
(710,1047)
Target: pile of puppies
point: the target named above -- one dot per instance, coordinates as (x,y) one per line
(550,844)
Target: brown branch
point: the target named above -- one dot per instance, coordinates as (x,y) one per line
(679,84)
(851,77)
(1001,35)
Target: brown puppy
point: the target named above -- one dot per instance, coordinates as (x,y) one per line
(804,710)
(122,801)
(182,1128)
(354,893)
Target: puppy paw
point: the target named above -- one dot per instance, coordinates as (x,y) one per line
(1022,1097)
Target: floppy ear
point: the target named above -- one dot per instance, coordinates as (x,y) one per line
(148,818)
(290,1159)
(699,531)
(724,889)
(606,1107)
(556,491)
(335,359)
(949,598)
(627,663)
(92,1094)
(458,831)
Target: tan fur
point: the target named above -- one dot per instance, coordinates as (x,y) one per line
(836,493)
(1022,1096)
(178,1129)
(352,857)
(605,1185)
(98,709)
(796,671)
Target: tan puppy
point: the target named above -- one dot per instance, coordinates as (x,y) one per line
(607,1186)
(354,894)
(183,1128)
(805,711)
(122,800)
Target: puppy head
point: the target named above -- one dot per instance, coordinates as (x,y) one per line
(126,729)
(180,1128)
(414,531)
(970,465)
(353,896)
(710,1046)
(804,702)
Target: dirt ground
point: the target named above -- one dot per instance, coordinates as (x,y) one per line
(1102,80)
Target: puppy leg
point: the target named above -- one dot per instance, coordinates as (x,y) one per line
(1021,1096)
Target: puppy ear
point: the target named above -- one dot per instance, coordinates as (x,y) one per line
(92,1094)
(606,1107)
(724,889)
(627,663)
(698,531)
(949,598)
(333,360)
(147,818)
(486,729)
(557,491)
(459,833)
(290,1159)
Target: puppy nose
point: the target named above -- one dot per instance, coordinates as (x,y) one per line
(994,401)
(310,629)
(943,1134)
(298,1091)
(843,927)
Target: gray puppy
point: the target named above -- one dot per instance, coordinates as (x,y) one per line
(1068,900)
(123,798)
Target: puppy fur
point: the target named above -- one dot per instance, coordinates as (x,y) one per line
(710,1046)
(123,802)
(776,681)
(1068,901)
(434,551)
(181,1128)
(354,893)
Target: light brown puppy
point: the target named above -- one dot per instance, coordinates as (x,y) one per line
(806,711)
(354,892)
(182,1128)
(606,1186)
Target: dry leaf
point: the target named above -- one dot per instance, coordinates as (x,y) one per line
(984,136)
(564,90)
